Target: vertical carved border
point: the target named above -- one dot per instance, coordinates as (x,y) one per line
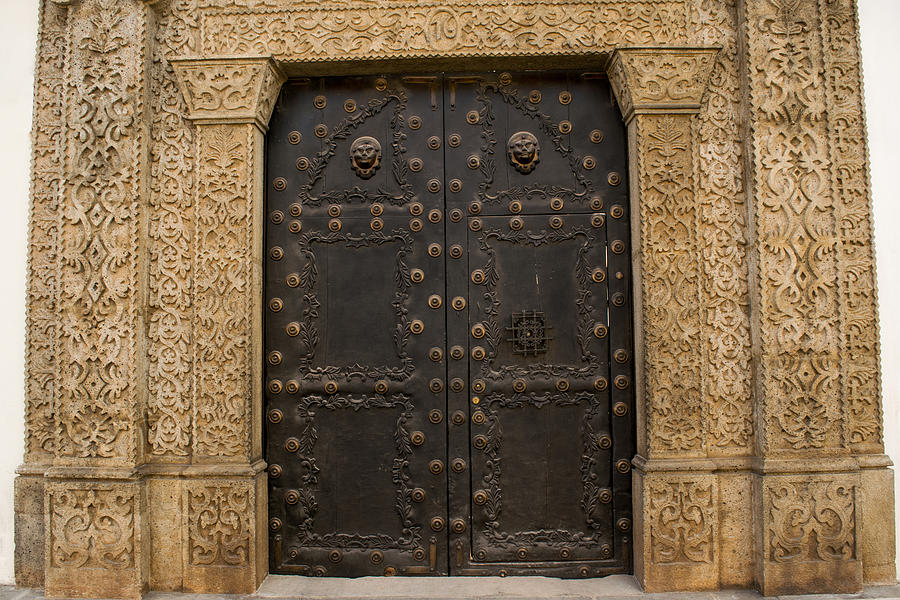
(46,183)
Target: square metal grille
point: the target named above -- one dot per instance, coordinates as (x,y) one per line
(528,333)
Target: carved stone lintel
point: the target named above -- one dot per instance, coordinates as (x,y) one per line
(229,90)
(660,80)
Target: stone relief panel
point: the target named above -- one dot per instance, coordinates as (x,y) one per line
(810,519)
(797,229)
(860,366)
(682,518)
(219,522)
(46,183)
(718,154)
(91,527)
(172,157)
(408,29)
(96,397)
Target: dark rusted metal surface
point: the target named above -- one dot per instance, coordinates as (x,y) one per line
(448,245)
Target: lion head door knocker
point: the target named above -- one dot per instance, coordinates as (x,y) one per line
(365,156)
(523,151)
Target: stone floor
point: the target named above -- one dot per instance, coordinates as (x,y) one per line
(466,588)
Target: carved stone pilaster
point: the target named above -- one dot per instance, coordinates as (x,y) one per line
(659,89)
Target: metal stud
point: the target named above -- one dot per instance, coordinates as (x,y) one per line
(416,164)
(478,353)
(277,253)
(597,220)
(295,209)
(596,203)
(605,496)
(377,557)
(618,247)
(436,467)
(292,386)
(381,386)
(295,227)
(275,358)
(457,352)
(275,524)
(516,223)
(279,183)
(434,215)
(564,553)
(458,526)
(621,382)
(519,385)
(436,386)
(456,251)
(565,127)
(416,209)
(335,556)
(475,208)
(478,331)
(617,212)
(600,384)
(419,554)
(618,299)
(456,215)
(606,551)
(275,416)
(417,495)
(277,217)
(321,130)
(479,497)
(434,186)
(473,162)
(437,524)
(562,385)
(292,497)
(454,140)
(556,203)
(598,275)
(614,179)
(584,571)
(381,84)
(320,102)
(458,303)
(276,304)
(481,555)
(472,117)
(623,465)
(417,276)
(334,210)
(605,442)
(376,224)
(292,280)
(478,386)
(376,209)
(457,465)
(292,444)
(434,301)
(600,330)
(534,96)
(458,417)
(292,329)
(479,441)
(475,224)
(334,224)
(416,326)
(505,78)
(331,387)
(349,105)
(596,136)
(435,416)
(455,185)
(565,97)
(417,438)
(434,142)
(589,162)
(478,277)
(415,122)
(620,409)
(478,417)
(522,553)
(436,354)
(434,250)
(556,222)
(515,206)
(415,224)
(621,355)
(295,137)
(302,163)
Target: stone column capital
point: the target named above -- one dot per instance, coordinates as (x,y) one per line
(237,89)
(660,79)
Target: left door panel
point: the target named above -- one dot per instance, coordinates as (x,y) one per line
(355,328)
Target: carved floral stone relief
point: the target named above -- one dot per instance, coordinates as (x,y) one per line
(219,524)
(92,528)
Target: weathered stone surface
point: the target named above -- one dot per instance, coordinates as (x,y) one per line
(759,431)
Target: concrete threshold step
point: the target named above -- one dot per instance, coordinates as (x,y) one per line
(468,588)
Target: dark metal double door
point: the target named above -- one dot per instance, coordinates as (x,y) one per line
(448,327)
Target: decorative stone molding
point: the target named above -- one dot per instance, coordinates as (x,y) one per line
(143,402)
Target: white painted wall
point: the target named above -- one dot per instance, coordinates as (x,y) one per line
(18,30)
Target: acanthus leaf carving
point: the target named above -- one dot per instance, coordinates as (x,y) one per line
(91,528)
(219,522)
(682,517)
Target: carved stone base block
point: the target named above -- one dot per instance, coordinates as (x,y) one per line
(876,526)
(95,543)
(809,533)
(164,496)
(29,519)
(676,529)
(224,535)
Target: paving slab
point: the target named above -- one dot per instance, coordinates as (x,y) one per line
(289,587)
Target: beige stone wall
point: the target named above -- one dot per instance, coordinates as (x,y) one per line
(760,457)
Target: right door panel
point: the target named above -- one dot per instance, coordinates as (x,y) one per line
(536,164)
